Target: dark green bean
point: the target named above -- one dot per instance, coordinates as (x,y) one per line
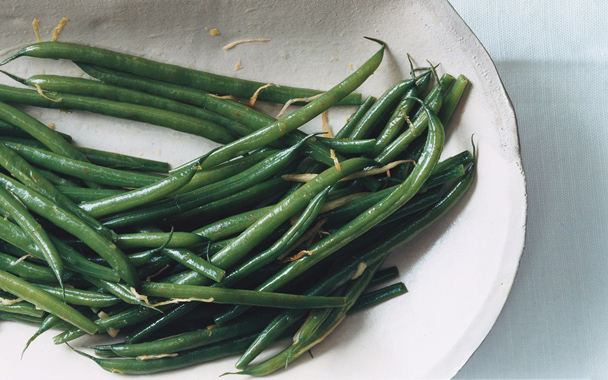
(349,146)
(9,130)
(81,297)
(385,104)
(195,263)
(355,118)
(373,298)
(83,194)
(166,72)
(83,170)
(25,269)
(172,120)
(30,293)
(238,296)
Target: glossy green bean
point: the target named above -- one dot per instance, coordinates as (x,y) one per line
(229,109)
(378,296)
(195,263)
(349,146)
(355,118)
(26,269)
(29,176)
(166,72)
(81,297)
(245,199)
(83,170)
(83,194)
(140,196)
(41,299)
(91,88)
(238,296)
(167,119)
(385,104)
(9,130)
(419,124)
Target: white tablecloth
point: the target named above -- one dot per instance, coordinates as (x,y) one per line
(552,56)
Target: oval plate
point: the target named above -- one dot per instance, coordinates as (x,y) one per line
(458,273)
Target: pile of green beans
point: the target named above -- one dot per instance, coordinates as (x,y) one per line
(224,254)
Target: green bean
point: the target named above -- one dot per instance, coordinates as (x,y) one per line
(355,118)
(123,161)
(238,296)
(215,191)
(16,211)
(25,269)
(160,322)
(68,222)
(39,131)
(74,261)
(166,72)
(82,297)
(197,264)
(400,115)
(158,239)
(91,88)
(385,103)
(434,101)
(60,181)
(186,358)
(197,338)
(49,322)
(242,200)
(83,170)
(41,299)
(167,119)
(22,308)
(119,290)
(349,146)
(20,318)
(233,110)
(232,225)
(371,299)
(281,245)
(83,194)
(139,197)
(9,130)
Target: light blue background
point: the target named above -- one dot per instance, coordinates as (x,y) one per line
(553,59)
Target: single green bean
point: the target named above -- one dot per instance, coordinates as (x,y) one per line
(197,264)
(166,72)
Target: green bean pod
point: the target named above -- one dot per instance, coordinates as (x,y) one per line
(172,120)
(81,297)
(238,296)
(197,264)
(166,72)
(44,301)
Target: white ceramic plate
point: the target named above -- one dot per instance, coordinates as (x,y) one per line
(459,273)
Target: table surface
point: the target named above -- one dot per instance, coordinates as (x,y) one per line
(551,55)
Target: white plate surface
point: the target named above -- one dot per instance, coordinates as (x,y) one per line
(458,273)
